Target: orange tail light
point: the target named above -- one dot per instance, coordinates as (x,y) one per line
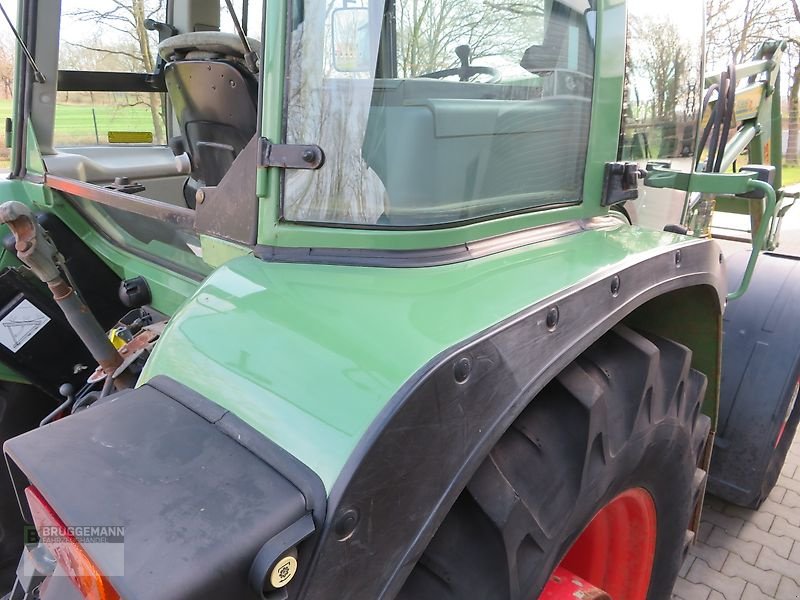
(69,554)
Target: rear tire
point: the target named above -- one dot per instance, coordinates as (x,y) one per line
(760,371)
(624,415)
(764,480)
(22,407)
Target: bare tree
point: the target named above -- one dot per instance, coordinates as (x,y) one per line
(735,28)
(128,18)
(429,31)
(6,68)
(794,97)
(660,84)
(663,59)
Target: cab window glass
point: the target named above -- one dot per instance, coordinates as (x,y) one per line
(250,16)
(112,123)
(663,87)
(99,39)
(437,111)
(662,83)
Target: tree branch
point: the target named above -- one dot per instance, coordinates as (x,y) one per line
(107,51)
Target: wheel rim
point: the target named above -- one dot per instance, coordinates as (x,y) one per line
(614,555)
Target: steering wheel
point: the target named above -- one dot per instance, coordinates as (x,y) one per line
(466,71)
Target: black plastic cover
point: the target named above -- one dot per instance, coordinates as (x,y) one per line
(198,491)
(52,356)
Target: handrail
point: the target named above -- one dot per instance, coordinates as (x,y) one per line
(175,215)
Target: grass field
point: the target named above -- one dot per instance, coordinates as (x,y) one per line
(81,123)
(791,175)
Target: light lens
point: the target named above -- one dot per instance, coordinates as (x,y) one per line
(69,554)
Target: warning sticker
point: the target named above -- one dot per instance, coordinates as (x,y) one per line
(21,324)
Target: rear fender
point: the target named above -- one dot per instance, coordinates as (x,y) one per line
(421,451)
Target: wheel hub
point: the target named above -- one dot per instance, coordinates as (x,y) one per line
(563,584)
(612,557)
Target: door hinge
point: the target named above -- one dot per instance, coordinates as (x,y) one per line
(621,182)
(290,156)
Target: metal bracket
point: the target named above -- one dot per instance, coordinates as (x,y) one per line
(290,156)
(744,183)
(620,183)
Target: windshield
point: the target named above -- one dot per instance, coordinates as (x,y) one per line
(437,111)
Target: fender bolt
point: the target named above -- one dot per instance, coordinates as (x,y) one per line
(552,318)
(615,286)
(462,369)
(346,524)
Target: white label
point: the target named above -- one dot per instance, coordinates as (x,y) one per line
(21,324)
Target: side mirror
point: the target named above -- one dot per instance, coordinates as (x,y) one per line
(351,40)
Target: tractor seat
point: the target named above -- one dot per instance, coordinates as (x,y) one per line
(205,45)
(215,99)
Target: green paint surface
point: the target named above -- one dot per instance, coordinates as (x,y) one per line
(310,354)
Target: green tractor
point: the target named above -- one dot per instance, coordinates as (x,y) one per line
(342,300)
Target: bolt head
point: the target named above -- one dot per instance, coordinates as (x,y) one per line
(462,369)
(615,285)
(552,318)
(346,524)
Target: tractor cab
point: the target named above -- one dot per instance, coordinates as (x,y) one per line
(131,122)
(167,129)
(382,116)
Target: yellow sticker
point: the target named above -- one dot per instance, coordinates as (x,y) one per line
(748,103)
(130,137)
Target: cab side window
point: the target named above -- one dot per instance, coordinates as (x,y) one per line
(107,92)
(250,14)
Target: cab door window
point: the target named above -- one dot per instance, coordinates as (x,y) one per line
(663,87)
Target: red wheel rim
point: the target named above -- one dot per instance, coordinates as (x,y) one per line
(615,553)
(789,411)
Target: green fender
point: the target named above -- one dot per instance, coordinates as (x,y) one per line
(310,354)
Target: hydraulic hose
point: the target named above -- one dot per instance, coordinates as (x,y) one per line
(707,129)
(717,131)
(727,118)
(719,109)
